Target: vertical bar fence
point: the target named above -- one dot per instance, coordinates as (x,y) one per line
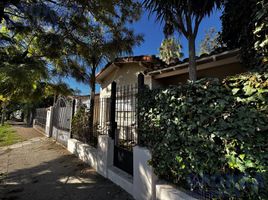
(41,117)
(81,129)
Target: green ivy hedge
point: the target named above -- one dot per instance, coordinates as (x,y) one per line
(210,136)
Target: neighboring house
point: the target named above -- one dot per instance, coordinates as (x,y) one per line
(81,100)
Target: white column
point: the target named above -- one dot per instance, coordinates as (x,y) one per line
(144,180)
(49,121)
(151,82)
(105,154)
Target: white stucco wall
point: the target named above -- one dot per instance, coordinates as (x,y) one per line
(61,136)
(125,75)
(143,178)
(98,158)
(168,192)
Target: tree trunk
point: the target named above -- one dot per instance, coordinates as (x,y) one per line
(54,99)
(28,119)
(1,11)
(92,99)
(3,115)
(192,59)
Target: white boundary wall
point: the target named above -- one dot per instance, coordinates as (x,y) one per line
(168,192)
(61,136)
(95,157)
(142,186)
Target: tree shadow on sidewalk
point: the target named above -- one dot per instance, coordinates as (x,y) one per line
(62,178)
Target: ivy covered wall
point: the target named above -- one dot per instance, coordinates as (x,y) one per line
(210,136)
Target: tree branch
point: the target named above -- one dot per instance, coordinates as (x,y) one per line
(196,25)
(15,15)
(199,18)
(188,15)
(181,25)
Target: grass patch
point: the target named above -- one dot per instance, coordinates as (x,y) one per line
(8,136)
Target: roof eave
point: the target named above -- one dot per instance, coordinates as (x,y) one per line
(208,59)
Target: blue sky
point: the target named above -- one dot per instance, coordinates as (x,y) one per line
(153,36)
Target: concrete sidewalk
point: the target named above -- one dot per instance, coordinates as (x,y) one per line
(39,169)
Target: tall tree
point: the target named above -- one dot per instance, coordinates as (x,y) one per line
(261,30)
(25,79)
(237,29)
(48,22)
(85,33)
(20,82)
(185,17)
(170,50)
(97,41)
(248,30)
(210,42)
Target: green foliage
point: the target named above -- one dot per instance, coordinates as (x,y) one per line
(244,26)
(185,17)
(82,32)
(261,27)
(210,135)
(170,50)
(80,121)
(8,136)
(70,38)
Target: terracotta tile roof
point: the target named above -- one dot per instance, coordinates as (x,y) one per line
(142,58)
(151,60)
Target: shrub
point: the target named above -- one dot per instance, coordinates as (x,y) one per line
(209,135)
(79,121)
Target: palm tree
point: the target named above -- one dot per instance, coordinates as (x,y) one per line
(185,17)
(94,48)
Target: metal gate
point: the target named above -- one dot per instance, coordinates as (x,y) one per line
(126,136)
(61,123)
(41,117)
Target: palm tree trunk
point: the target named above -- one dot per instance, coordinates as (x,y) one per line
(92,100)
(192,59)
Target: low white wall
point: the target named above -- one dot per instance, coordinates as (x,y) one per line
(61,136)
(84,152)
(95,157)
(144,178)
(168,192)
(121,178)
(142,186)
